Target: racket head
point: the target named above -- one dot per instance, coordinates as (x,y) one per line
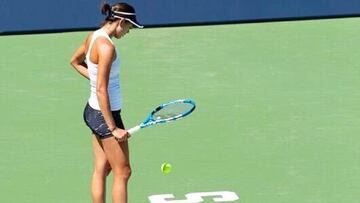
(171,111)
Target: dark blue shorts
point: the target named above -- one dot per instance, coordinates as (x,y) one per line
(96,122)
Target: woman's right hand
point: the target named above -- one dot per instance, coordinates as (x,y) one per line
(120,134)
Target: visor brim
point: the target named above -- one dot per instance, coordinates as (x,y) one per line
(132,21)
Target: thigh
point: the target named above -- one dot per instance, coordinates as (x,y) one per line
(117,153)
(100,159)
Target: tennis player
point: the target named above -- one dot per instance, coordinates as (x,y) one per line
(97,60)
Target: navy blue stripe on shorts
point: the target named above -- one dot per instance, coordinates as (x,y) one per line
(94,119)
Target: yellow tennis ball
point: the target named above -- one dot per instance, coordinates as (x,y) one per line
(166,168)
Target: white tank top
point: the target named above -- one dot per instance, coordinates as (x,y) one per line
(114,77)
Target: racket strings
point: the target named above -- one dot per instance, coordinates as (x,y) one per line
(172,111)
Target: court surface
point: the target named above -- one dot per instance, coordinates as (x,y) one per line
(277,119)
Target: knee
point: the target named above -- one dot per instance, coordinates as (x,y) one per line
(103,170)
(123,173)
(126,172)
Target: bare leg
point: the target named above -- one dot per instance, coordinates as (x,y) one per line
(101,170)
(117,154)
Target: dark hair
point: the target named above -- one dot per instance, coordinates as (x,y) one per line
(107,10)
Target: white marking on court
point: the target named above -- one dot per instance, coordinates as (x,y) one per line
(196,197)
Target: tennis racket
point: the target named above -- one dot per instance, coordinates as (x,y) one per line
(165,113)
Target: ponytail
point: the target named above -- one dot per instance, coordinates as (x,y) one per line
(106,9)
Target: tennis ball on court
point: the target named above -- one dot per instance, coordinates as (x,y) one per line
(166,168)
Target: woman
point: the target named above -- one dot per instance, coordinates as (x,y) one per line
(97,60)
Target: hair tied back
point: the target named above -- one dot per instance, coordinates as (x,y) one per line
(106,9)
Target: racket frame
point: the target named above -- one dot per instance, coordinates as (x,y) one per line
(149,121)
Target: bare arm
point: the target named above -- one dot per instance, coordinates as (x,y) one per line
(78,60)
(106,52)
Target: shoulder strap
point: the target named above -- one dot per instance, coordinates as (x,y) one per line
(95,35)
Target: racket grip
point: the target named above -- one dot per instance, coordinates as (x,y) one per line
(133,130)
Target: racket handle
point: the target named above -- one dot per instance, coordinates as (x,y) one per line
(133,130)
